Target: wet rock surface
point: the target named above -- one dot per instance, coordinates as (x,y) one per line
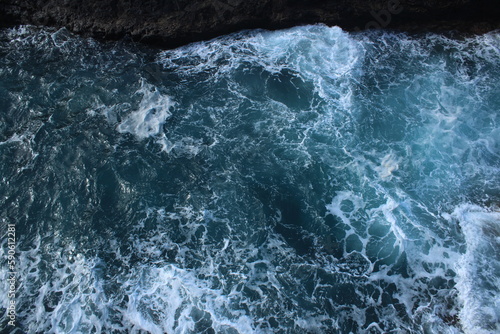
(170,23)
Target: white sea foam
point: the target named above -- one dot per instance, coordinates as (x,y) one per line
(72,301)
(388,165)
(479,269)
(15,138)
(353,202)
(71,298)
(186,146)
(327,56)
(153,110)
(170,300)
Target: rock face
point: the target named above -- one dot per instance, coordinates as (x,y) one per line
(170,23)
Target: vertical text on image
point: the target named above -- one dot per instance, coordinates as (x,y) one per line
(11,280)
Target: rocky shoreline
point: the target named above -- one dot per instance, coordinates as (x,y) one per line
(171,23)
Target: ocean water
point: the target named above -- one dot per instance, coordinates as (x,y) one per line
(307,180)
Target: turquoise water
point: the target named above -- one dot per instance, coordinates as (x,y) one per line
(299,181)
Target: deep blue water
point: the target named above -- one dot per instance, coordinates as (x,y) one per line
(299,181)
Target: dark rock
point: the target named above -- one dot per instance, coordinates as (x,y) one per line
(170,23)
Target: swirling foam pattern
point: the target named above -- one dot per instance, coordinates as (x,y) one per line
(298,181)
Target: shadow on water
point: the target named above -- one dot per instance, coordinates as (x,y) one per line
(286,213)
